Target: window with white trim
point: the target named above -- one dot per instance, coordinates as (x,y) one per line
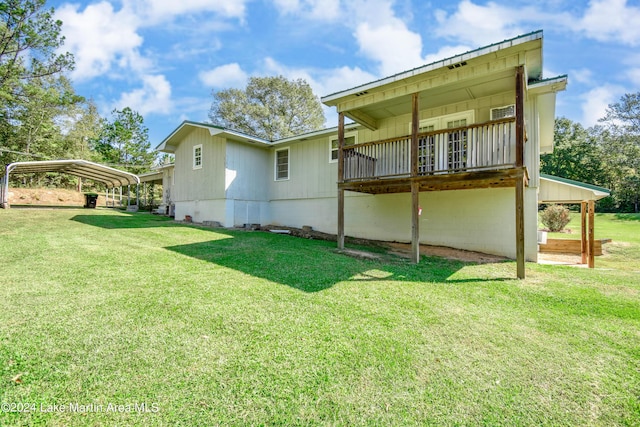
(282,164)
(197,156)
(350,138)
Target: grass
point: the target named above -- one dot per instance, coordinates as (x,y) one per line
(217,327)
(624,231)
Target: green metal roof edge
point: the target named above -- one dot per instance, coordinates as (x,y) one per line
(576,183)
(522,36)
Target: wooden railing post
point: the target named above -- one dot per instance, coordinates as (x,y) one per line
(583,229)
(340,180)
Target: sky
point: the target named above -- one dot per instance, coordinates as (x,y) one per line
(163,58)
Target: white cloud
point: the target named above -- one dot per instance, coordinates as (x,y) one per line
(155,11)
(480,25)
(634,75)
(100,38)
(224,76)
(324,10)
(322,81)
(394,46)
(154,97)
(582,75)
(611,21)
(596,102)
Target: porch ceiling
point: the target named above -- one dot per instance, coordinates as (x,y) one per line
(445,94)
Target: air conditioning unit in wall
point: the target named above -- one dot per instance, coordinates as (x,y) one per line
(503,112)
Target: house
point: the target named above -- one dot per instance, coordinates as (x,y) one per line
(444,154)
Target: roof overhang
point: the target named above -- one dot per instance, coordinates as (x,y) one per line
(81,168)
(171,142)
(561,190)
(471,75)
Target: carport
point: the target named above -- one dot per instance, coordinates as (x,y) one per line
(112,178)
(554,189)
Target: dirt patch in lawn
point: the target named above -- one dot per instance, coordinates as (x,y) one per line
(48,197)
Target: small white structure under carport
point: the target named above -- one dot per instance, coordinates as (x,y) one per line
(112,178)
(561,190)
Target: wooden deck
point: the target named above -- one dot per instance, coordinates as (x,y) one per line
(501,178)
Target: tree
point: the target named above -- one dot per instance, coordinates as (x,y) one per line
(124,142)
(576,154)
(269,107)
(33,89)
(29,39)
(620,140)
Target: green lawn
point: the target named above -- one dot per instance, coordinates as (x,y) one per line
(623,253)
(211,327)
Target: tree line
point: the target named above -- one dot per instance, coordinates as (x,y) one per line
(607,154)
(41,116)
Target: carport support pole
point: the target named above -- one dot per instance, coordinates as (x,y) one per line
(5,191)
(137,194)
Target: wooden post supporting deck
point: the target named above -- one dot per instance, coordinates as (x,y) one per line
(590,246)
(415,186)
(520,164)
(340,180)
(583,228)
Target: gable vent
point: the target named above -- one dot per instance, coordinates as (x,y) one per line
(503,112)
(458,65)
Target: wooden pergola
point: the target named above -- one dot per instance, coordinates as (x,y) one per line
(561,190)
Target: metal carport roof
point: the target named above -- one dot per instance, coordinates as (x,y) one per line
(82,168)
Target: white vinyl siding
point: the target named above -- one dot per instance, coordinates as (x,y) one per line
(282,164)
(197,156)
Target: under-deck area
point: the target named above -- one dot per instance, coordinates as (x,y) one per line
(459,157)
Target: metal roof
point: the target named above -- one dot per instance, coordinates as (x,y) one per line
(535,35)
(82,168)
(554,189)
(187,126)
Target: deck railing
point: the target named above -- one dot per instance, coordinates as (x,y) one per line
(485,146)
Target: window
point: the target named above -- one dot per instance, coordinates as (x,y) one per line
(282,164)
(349,139)
(457,158)
(197,156)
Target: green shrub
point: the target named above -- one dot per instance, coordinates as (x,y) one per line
(555,217)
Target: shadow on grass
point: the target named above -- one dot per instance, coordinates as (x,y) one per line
(312,265)
(306,265)
(125,220)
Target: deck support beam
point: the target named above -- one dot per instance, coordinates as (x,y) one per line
(340,181)
(520,243)
(415,186)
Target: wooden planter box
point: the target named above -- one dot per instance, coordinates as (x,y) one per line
(566,246)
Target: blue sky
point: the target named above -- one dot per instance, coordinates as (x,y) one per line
(164,57)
